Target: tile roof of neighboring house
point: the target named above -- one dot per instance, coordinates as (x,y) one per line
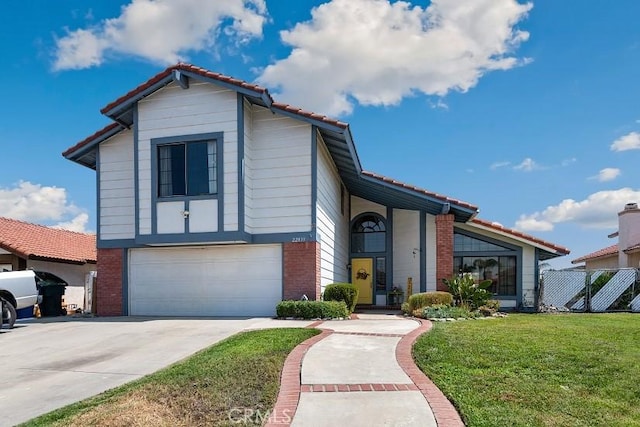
(420,190)
(499,227)
(608,251)
(34,241)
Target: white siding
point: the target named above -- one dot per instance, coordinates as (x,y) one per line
(280,174)
(173,111)
(332,223)
(248,167)
(359,206)
(406,248)
(432,252)
(117,205)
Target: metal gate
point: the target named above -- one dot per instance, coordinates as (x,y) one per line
(591,290)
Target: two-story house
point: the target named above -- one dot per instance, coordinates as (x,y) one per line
(215,200)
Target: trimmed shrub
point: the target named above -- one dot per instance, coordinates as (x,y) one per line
(312,309)
(426,299)
(342,292)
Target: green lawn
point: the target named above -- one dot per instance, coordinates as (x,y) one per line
(538,370)
(213,387)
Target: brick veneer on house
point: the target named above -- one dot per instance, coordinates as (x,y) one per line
(444,249)
(301,270)
(109,282)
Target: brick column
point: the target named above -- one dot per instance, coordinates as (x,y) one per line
(444,249)
(109,282)
(301,275)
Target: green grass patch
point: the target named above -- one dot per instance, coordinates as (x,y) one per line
(538,370)
(212,387)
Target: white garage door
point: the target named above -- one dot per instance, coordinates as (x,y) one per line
(205,281)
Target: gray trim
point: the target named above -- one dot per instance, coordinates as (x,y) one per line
(118,243)
(308,236)
(240,167)
(388,254)
(136,173)
(423,251)
(195,238)
(536,279)
(282,272)
(98,233)
(234,87)
(180,79)
(186,219)
(314,178)
(514,251)
(121,108)
(125,281)
(390,249)
(73,156)
(185,139)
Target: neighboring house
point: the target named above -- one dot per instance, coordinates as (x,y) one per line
(213,199)
(67,254)
(626,253)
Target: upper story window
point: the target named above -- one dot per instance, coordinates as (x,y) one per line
(368,234)
(187,169)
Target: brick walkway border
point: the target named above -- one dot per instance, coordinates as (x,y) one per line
(290,387)
(289,394)
(443,410)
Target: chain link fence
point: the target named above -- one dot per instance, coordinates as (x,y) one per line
(595,291)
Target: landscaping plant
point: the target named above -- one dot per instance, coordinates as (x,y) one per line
(426,299)
(466,292)
(346,292)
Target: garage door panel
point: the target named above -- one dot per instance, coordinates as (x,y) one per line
(210,281)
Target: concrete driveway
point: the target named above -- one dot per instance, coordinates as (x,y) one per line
(49,363)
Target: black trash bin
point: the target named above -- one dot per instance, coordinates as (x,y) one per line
(51,289)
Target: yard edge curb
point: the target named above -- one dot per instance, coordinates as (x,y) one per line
(290,381)
(443,410)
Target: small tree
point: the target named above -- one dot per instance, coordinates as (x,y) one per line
(466,292)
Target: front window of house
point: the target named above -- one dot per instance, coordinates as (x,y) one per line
(187,169)
(486,261)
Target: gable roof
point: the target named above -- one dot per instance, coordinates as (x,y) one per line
(600,253)
(32,241)
(335,134)
(550,250)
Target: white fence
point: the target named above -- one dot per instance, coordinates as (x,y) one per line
(592,290)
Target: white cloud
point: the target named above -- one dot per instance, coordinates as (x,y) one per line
(377,52)
(78,223)
(599,210)
(568,162)
(497,165)
(40,204)
(607,174)
(630,141)
(162,31)
(527,165)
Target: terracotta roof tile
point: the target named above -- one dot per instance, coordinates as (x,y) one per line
(499,227)
(181,67)
(309,114)
(37,241)
(88,139)
(420,190)
(609,250)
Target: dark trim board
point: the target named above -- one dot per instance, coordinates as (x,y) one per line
(125,281)
(423,251)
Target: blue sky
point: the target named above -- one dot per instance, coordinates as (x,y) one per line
(529,110)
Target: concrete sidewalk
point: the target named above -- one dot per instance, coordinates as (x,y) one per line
(360,373)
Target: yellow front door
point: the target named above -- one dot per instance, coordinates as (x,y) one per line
(362,278)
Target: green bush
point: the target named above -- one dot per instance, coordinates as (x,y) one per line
(489,308)
(342,292)
(312,309)
(466,292)
(446,312)
(426,299)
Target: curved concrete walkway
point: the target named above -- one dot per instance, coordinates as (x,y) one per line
(360,373)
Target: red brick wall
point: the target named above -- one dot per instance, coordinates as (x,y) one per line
(444,249)
(109,282)
(301,275)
